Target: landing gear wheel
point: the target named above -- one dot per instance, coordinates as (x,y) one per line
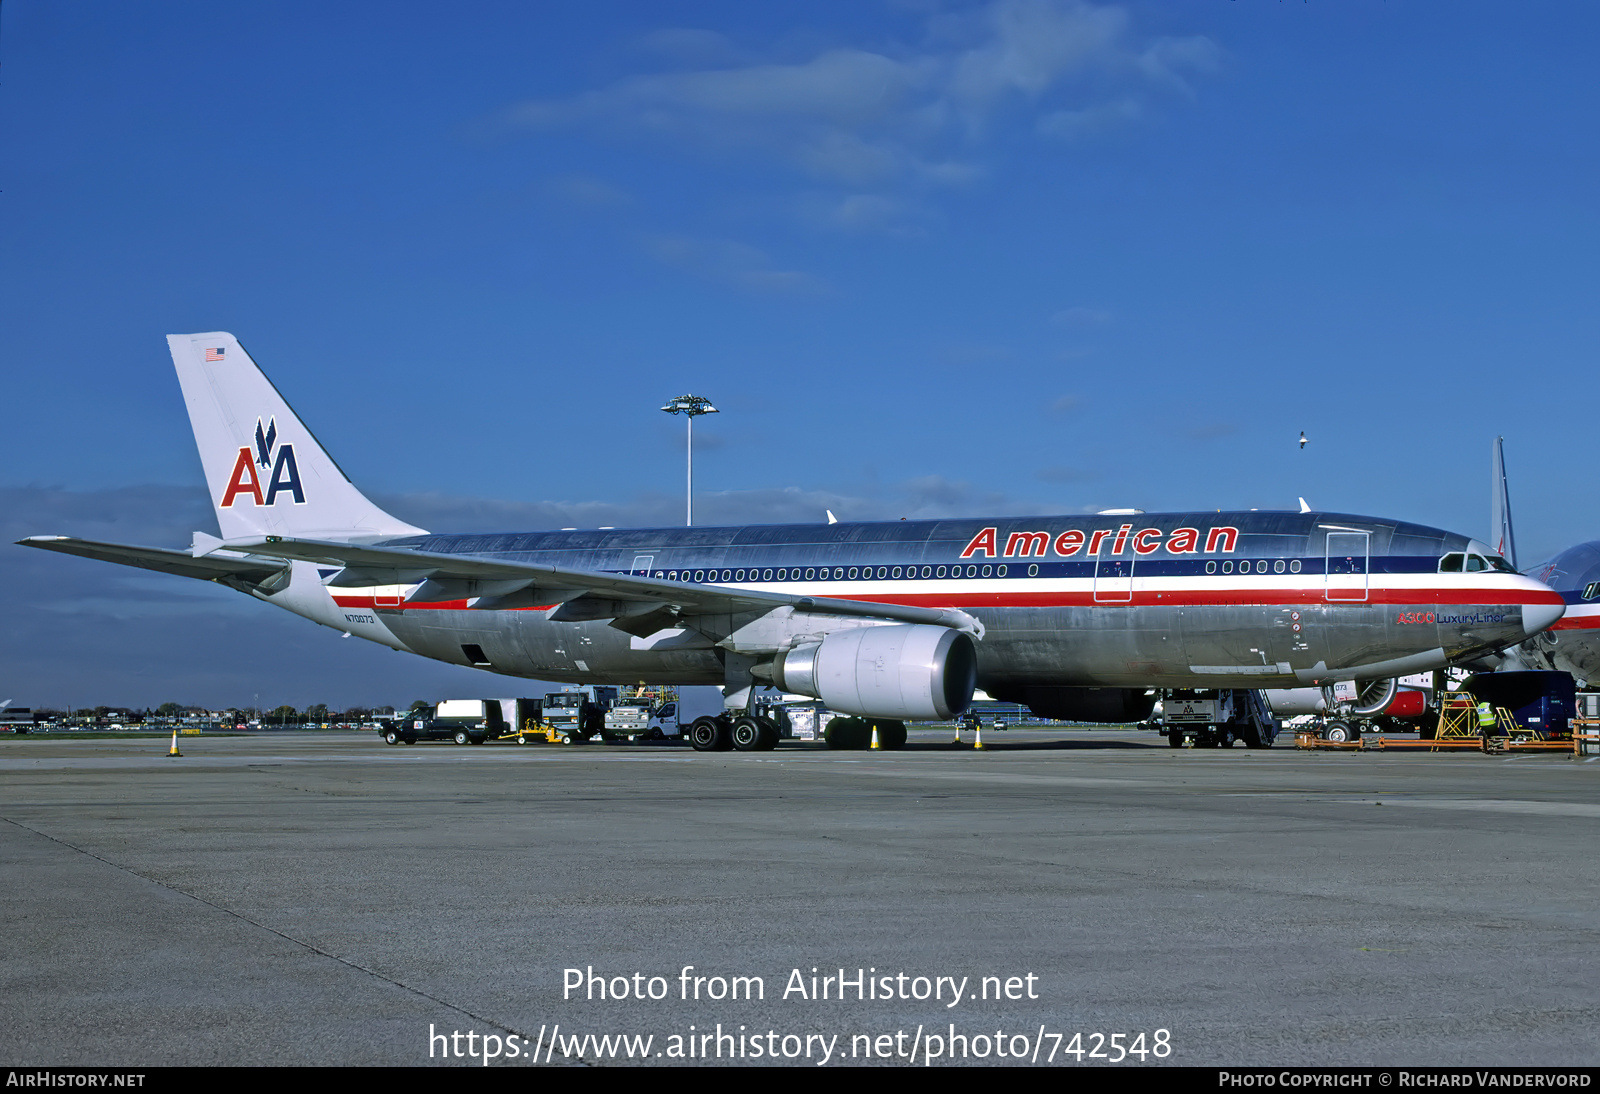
(747,734)
(392,737)
(769,735)
(1338,732)
(890,734)
(462,738)
(710,735)
(848,733)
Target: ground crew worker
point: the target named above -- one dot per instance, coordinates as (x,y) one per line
(1486,718)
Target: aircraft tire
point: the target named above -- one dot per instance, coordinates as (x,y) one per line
(769,735)
(851,734)
(747,734)
(707,735)
(1338,732)
(891,734)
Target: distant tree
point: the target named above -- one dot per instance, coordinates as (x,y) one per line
(285,714)
(317,712)
(419,704)
(169,710)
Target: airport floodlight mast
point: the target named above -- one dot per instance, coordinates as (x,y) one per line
(690,405)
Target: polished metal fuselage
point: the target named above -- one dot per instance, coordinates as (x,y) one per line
(1249,600)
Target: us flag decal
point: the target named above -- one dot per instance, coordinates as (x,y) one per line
(215,354)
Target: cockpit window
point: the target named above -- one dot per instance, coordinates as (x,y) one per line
(1473,563)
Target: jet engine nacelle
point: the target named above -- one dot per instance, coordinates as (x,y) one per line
(1290,702)
(1363,698)
(903,671)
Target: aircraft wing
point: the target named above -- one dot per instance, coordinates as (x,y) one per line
(182,563)
(631,602)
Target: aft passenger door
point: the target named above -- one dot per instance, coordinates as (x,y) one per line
(1347,563)
(1113,579)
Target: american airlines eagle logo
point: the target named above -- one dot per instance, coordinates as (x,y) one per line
(281,471)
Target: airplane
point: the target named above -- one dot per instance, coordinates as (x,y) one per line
(1572,643)
(1077,617)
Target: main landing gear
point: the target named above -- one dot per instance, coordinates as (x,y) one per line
(730,732)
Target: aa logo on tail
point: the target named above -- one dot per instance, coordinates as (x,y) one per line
(284,477)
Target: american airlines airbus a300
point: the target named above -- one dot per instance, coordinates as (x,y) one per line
(1077,617)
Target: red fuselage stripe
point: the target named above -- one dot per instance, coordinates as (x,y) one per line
(1173,598)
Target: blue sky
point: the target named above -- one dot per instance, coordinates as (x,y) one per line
(928,259)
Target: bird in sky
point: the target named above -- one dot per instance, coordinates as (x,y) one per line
(1302,438)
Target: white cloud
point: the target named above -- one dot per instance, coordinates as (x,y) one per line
(589,192)
(875,213)
(731,263)
(894,117)
(690,46)
(1091,120)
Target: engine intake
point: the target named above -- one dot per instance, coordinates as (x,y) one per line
(903,671)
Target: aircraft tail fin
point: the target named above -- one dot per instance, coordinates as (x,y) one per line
(266,472)
(1500,535)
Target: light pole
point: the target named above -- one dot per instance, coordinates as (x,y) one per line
(690,405)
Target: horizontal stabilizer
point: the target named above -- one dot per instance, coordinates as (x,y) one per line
(182,563)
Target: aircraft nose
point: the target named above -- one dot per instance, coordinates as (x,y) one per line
(1540,617)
